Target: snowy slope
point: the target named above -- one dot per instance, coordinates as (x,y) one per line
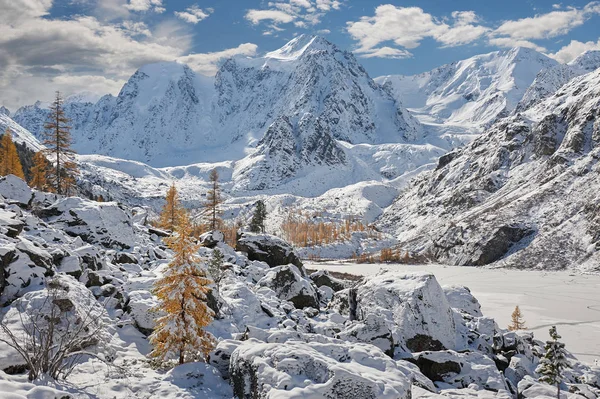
(551,79)
(524,194)
(473,92)
(167,115)
(161,114)
(20,135)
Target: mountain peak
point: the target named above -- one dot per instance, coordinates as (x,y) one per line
(588,61)
(300,45)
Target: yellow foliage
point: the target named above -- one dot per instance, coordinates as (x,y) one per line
(182,295)
(518,322)
(38,171)
(305,230)
(9,159)
(172,212)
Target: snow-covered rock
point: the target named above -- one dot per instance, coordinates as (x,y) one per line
(103,223)
(290,285)
(269,249)
(298,369)
(461,299)
(15,190)
(413,306)
(460,370)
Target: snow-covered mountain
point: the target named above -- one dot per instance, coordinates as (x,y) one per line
(549,80)
(525,194)
(19,134)
(167,115)
(473,92)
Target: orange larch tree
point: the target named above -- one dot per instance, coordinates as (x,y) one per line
(182,297)
(10,164)
(172,212)
(39,171)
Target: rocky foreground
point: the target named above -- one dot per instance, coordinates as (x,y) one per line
(282,332)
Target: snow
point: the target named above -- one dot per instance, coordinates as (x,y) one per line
(20,135)
(471,92)
(565,299)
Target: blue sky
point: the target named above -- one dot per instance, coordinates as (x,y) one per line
(94,45)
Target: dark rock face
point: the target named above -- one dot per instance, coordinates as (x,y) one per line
(501,241)
(420,343)
(289,285)
(124,257)
(323,278)
(6,258)
(446,159)
(437,371)
(269,249)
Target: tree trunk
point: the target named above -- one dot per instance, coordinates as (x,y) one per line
(558,390)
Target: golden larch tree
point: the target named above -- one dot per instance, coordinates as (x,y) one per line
(172,212)
(57,139)
(10,164)
(38,172)
(212,206)
(182,297)
(517,320)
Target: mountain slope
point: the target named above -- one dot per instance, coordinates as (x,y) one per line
(166,115)
(472,92)
(525,194)
(551,79)
(20,135)
(160,114)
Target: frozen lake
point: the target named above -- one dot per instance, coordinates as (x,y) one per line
(568,300)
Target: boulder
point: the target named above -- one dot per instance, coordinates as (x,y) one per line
(139,306)
(323,278)
(125,257)
(373,330)
(269,249)
(323,370)
(413,306)
(221,355)
(461,369)
(15,190)
(287,282)
(10,223)
(461,299)
(211,239)
(103,223)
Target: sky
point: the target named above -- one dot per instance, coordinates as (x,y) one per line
(95,45)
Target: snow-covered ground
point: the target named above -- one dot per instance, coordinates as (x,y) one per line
(569,301)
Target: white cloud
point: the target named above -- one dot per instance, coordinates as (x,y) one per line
(206,63)
(136,28)
(545,26)
(303,13)
(571,51)
(327,5)
(194,14)
(39,55)
(510,42)
(406,27)
(387,52)
(256,16)
(145,5)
